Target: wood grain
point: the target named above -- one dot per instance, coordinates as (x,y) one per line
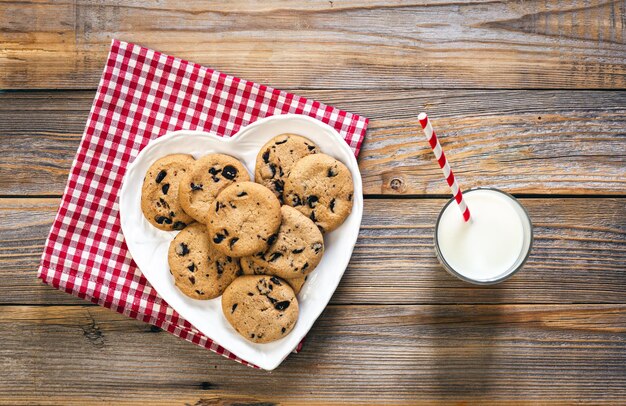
(578,256)
(544,142)
(359,354)
(327,44)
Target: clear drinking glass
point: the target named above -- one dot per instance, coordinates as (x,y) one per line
(493,245)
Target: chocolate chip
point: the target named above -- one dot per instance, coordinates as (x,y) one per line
(272,239)
(266,156)
(218,238)
(161,176)
(213,172)
(229,259)
(310,147)
(165,188)
(279,185)
(179,225)
(275,280)
(242,194)
(273,169)
(252,335)
(262,287)
(162,220)
(350,197)
(233,308)
(298,251)
(195,187)
(182,249)
(275,256)
(232,205)
(305,267)
(312,216)
(281,142)
(312,201)
(225,231)
(271,299)
(250,294)
(317,247)
(282,330)
(331,172)
(229,172)
(332,205)
(295,201)
(192,267)
(192,279)
(220,268)
(280,171)
(219,206)
(282,305)
(232,242)
(199,292)
(164,203)
(172,214)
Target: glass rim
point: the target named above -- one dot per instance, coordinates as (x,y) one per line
(504,276)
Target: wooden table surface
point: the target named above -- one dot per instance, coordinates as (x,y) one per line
(528,96)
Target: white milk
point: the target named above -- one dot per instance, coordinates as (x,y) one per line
(495,241)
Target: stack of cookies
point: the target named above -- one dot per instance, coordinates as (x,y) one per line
(253,243)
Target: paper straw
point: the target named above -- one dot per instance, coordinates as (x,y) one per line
(443,164)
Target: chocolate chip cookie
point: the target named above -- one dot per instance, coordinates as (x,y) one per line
(261,308)
(321,188)
(297,249)
(206,178)
(249,266)
(159,193)
(200,271)
(276,158)
(244,219)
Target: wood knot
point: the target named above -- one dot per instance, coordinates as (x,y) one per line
(155,329)
(397,184)
(92,333)
(206,385)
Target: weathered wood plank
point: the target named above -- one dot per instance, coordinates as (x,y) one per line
(579,255)
(327,44)
(570,142)
(362,354)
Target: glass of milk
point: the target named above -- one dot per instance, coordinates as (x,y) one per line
(492,245)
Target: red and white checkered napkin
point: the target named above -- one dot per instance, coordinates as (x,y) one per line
(142,95)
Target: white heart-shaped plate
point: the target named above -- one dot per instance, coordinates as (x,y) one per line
(148,245)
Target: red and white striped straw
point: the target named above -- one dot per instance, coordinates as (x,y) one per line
(443,164)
